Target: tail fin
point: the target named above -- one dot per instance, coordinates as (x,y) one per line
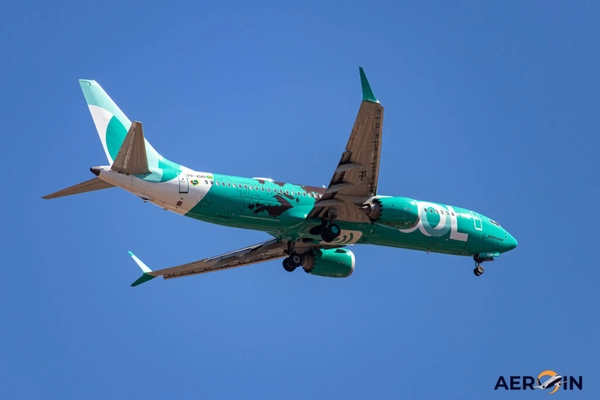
(113,125)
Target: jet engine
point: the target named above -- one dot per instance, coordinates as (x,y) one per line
(333,263)
(397,212)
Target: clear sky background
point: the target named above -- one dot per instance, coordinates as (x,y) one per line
(492,106)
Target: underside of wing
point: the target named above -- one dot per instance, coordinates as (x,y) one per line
(266,251)
(355,179)
(324,260)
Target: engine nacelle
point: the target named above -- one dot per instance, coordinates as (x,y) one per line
(333,263)
(398,212)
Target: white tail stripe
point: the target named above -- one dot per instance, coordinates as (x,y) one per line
(101,119)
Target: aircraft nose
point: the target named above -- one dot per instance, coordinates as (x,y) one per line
(510,242)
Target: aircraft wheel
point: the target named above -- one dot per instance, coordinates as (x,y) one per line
(287,265)
(331,232)
(478,270)
(295,260)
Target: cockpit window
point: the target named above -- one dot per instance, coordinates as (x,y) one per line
(494,222)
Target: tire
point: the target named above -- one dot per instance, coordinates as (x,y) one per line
(295,260)
(288,266)
(478,270)
(326,237)
(333,230)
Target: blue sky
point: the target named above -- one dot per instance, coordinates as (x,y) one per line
(491,106)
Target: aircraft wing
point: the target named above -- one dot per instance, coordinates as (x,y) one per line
(269,250)
(355,179)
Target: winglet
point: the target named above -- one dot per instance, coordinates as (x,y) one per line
(146,276)
(366,88)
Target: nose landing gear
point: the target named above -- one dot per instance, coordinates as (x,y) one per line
(478,271)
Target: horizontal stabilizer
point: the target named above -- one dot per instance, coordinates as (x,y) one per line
(87,186)
(132,159)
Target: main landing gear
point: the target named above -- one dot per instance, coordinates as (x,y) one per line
(329,230)
(478,271)
(292,262)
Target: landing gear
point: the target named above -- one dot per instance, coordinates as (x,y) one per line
(478,271)
(330,232)
(292,262)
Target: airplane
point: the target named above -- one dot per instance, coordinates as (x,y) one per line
(311,227)
(556,380)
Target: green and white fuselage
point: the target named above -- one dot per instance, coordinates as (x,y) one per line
(281,209)
(310,225)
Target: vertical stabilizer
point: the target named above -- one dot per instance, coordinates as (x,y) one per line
(113,127)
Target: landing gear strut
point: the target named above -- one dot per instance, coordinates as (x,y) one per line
(478,271)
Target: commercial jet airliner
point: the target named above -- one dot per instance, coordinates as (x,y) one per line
(310,226)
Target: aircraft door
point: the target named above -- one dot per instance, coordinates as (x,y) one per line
(477,220)
(184,184)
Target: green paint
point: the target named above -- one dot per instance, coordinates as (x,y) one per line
(261,210)
(142,279)
(366,88)
(115,135)
(170,169)
(96,96)
(332,263)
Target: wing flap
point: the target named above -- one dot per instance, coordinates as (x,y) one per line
(265,251)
